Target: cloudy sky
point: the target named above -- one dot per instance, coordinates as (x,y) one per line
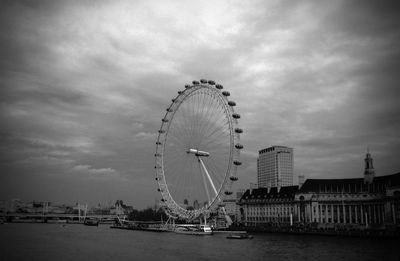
(84,85)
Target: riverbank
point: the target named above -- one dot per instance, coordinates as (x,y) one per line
(367,232)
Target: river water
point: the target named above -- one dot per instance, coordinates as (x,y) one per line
(77,242)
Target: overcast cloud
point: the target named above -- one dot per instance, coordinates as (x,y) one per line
(84,85)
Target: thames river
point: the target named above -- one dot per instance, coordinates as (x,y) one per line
(79,242)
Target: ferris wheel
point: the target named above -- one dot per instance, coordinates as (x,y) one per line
(197,150)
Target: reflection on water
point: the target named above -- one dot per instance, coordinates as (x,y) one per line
(78,242)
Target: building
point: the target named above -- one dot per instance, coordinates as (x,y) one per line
(350,201)
(228,211)
(354,203)
(275,167)
(265,206)
(120,208)
(230,204)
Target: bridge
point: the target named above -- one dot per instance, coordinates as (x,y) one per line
(53,217)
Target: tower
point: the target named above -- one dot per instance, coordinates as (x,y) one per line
(301,180)
(369,172)
(275,167)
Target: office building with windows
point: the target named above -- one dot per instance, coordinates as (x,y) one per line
(275,167)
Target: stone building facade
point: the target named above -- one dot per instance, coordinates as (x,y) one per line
(262,206)
(353,203)
(349,201)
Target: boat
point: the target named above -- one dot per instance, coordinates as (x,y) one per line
(199,230)
(91,222)
(122,226)
(239,236)
(56,221)
(121,223)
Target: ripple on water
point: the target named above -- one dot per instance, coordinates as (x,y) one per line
(77,242)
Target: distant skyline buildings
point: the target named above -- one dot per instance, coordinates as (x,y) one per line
(275,167)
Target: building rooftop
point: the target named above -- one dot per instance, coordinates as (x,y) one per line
(352,185)
(272,148)
(263,193)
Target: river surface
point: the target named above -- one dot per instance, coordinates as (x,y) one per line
(78,242)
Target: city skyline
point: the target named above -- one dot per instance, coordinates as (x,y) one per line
(85,85)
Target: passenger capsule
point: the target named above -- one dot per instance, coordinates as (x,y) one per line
(236,116)
(219,86)
(239,146)
(238,130)
(228,192)
(173,100)
(226,93)
(232,103)
(158,189)
(187,86)
(237,163)
(211,82)
(234,178)
(195,83)
(164,120)
(161,131)
(163,200)
(203,81)
(156,178)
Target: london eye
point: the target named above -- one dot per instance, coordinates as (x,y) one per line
(197,150)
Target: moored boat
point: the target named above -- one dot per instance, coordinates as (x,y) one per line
(56,221)
(91,222)
(200,230)
(239,236)
(124,226)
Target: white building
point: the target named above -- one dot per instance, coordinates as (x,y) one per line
(275,167)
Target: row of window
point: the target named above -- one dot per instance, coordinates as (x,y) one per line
(268,211)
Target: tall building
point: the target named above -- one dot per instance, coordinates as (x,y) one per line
(275,167)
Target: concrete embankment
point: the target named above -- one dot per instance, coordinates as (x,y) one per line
(326,232)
